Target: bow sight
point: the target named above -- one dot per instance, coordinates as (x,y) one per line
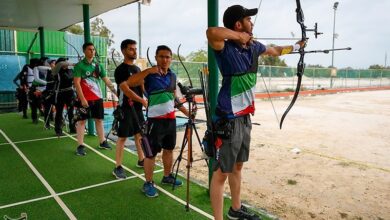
(189,91)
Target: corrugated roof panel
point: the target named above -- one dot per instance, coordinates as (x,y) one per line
(7,41)
(75,41)
(24,39)
(54,43)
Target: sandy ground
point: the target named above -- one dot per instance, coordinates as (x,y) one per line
(342,170)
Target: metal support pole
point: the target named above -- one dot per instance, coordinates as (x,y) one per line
(334,29)
(87,38)
(139,31)
(42,41)
(212,20)
(87,26)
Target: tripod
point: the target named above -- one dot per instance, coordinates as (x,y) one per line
(187,141)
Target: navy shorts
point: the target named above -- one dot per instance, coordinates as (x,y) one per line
(161,134)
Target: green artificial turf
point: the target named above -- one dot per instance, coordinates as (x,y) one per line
(56,161)
(44,209)
(18,129)
(124,200)
(18,182)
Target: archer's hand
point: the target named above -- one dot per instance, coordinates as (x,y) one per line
(302,43)
(144,103)
(155,70)
(245,37)
(84,103)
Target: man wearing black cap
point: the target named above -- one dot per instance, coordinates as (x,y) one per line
(237,56)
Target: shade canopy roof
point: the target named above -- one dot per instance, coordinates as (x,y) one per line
(51,14)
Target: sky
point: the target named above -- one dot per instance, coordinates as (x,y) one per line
(360,24)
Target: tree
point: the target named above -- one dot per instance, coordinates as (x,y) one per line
(97,28)
(271,61)
(198,56)
(75,29)
(176,57)
(376,66)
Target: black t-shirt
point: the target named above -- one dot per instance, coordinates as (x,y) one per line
(122,73)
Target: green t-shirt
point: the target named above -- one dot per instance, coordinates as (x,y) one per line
(90,79)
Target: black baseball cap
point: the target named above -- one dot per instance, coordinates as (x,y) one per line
(235,13)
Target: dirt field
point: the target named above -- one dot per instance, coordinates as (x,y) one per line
(342,170)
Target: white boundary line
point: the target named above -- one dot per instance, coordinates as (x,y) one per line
(71,191)
(40,177)
(38,139)
(141,177)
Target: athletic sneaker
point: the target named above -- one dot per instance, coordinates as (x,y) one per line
(171,180)
(119,172)
(80,151)
(140,163)
(242,213)
(105,145)
(149,189)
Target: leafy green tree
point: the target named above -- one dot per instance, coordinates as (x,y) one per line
(97,29)
(271,61)
(376,66)
(75,29)
(198,56)
(176,57)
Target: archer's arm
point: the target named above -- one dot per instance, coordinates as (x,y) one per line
(217,36)
(282,50)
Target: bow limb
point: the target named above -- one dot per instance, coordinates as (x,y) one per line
(301,64)
(147,56)
(112,57)
(74,48)
(185,69)
(297,89)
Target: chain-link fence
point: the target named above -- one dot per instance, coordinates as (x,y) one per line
(279,79)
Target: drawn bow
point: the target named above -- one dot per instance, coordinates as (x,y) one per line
(302,52)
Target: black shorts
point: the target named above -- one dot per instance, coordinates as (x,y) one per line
(161,134)
(130,126)
(95,109)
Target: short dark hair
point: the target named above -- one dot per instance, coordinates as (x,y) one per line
(61,59)
(127,42)
(34,62)
(42,60)
(87,44)
(163,47)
